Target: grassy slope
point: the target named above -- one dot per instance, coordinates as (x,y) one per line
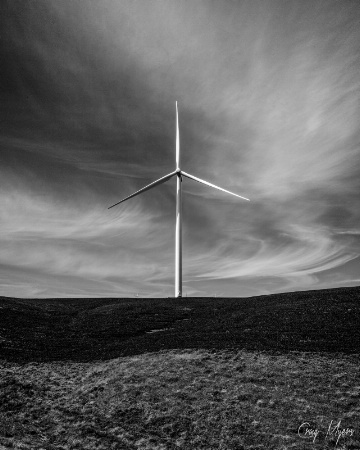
(88,329)
(213,395)
(184,399)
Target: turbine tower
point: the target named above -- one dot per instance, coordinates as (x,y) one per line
(179,175)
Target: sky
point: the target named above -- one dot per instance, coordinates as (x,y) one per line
(268,95)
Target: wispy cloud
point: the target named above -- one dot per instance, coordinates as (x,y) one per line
(269,104)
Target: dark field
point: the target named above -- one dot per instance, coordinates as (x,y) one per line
(191,374)
(100,329)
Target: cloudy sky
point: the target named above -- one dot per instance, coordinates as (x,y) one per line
(268,95)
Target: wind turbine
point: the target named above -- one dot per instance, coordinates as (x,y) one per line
(179,175)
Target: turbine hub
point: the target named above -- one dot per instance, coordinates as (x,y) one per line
(178,171)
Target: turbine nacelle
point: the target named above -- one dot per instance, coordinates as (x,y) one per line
(178,173)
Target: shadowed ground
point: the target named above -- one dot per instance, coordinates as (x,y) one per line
(202,374)
(91,329)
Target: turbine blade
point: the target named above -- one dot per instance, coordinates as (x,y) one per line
(146,188)
(199,180)
(177,138)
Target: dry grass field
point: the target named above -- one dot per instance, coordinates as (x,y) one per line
(182,400)
(226,396)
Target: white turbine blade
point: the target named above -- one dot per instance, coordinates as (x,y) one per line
(146,188)
(177,139)
(199,180)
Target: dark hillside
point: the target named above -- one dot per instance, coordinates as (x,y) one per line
(91,329)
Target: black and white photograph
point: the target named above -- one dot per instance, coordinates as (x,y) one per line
(180,224)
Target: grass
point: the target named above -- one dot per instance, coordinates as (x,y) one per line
(217,373)
(92,329)
(181,399)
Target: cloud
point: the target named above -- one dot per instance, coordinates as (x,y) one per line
(269,99)
(310,251)
(59,240)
